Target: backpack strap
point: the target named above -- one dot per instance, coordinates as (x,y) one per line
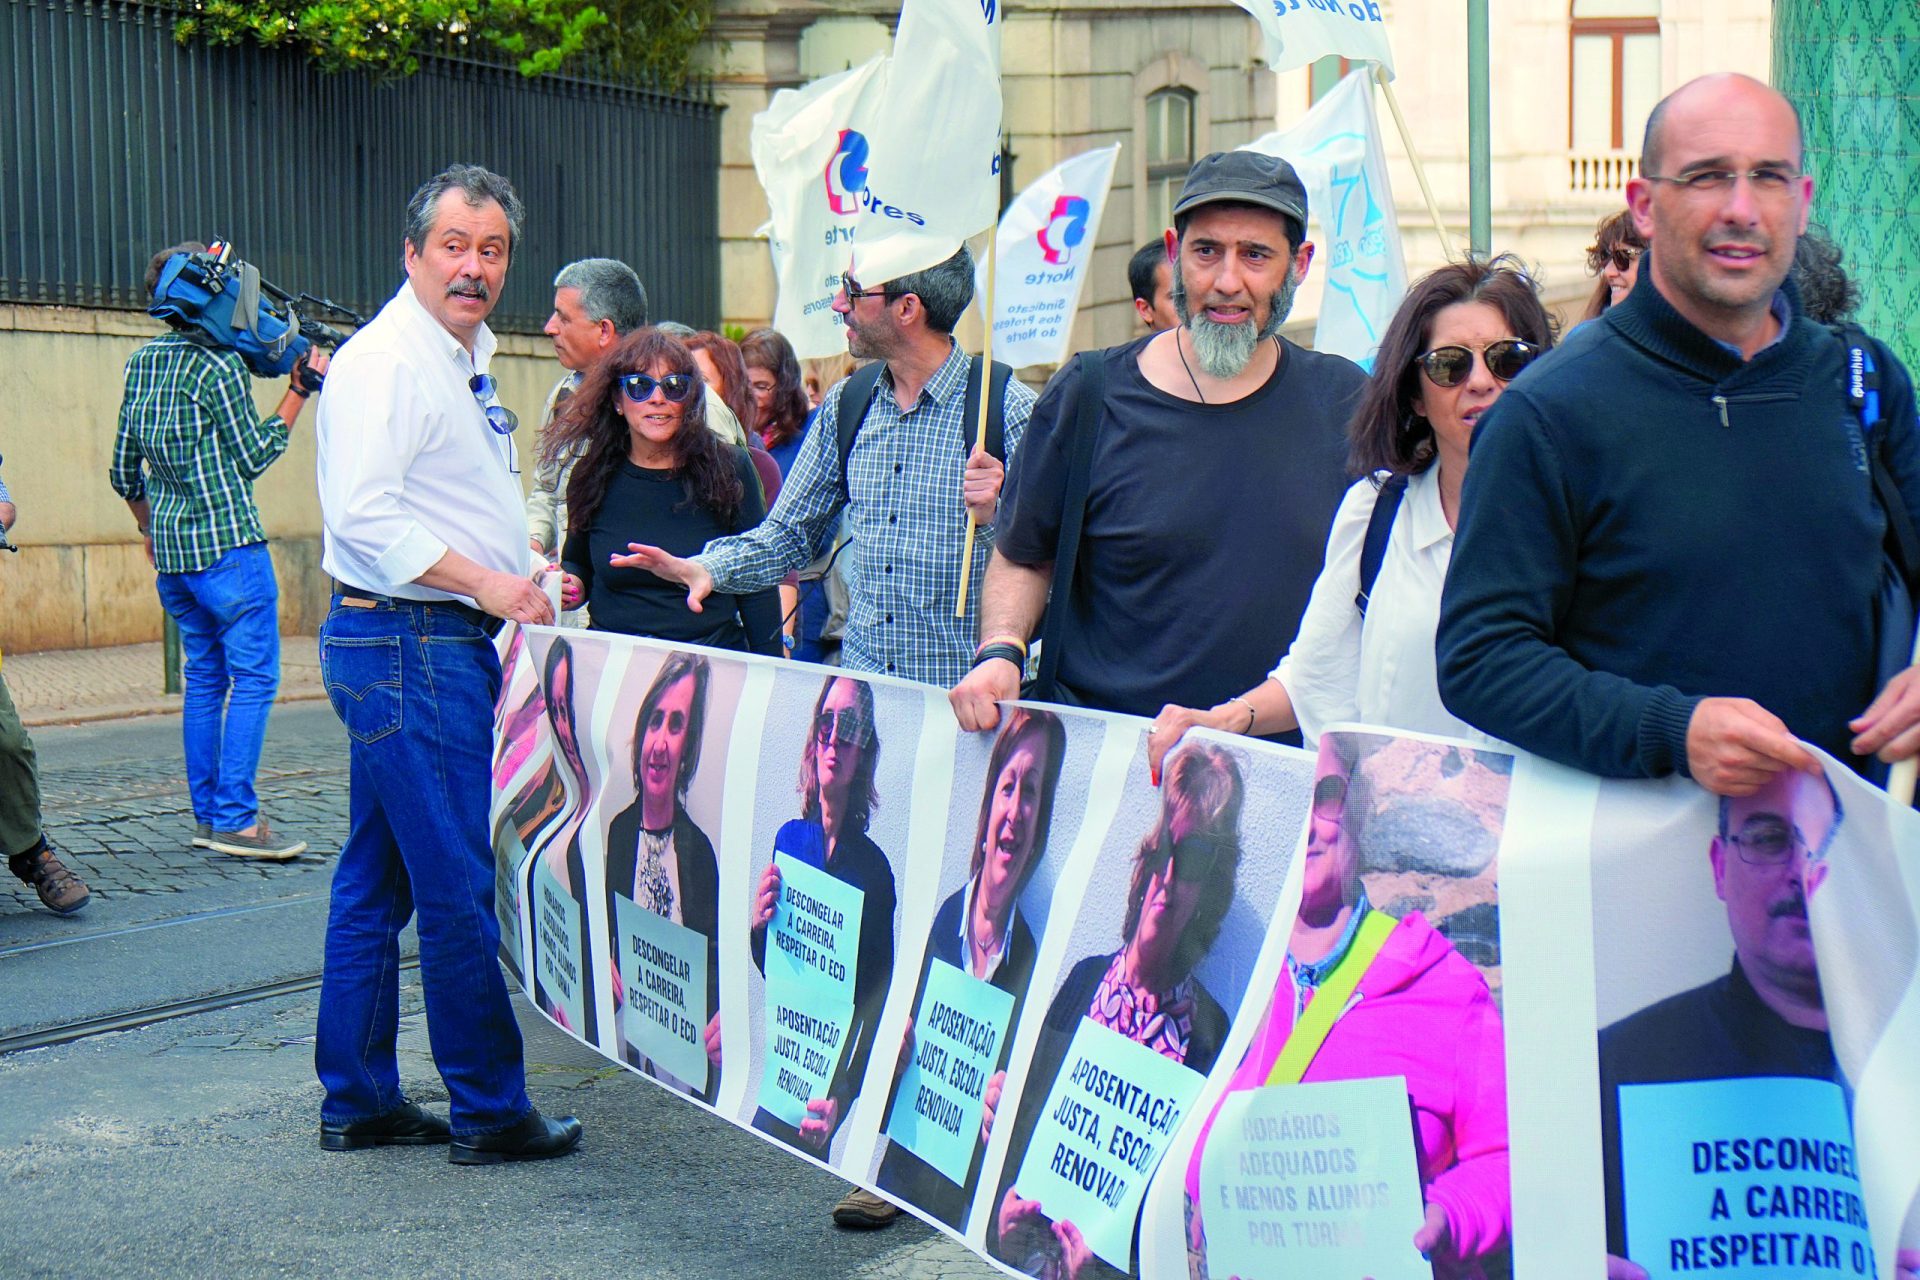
(860,387)
(1373,552)
(1330,1001)
(1863,396)
(1090,399)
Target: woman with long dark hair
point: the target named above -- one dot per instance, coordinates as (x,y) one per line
(1614,257)
(781,413)
(650,471)
(1462,333)
(724,371)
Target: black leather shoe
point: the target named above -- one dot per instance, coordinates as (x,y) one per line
(534,1138)
(404,1126)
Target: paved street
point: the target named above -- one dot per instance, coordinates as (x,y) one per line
(186,1147)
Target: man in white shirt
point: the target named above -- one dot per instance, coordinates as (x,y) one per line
(427,543)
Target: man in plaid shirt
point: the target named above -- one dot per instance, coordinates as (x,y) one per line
(189,448)
(912,477)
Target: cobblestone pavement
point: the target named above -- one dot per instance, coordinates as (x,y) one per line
(115,801)
(82,685)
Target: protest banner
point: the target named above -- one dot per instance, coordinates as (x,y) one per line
(1044,247)
(1335,148)
(1110,972)
(936,141)
(1313,1179)
(1299,32)
(811,153)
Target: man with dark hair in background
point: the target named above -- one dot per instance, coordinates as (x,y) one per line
(1220,459)
(189,447)
(1150,276)
(910,480)
(428,551)
(30,855)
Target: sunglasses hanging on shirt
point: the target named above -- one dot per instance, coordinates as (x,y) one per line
(499,417)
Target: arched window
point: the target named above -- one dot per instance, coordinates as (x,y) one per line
(1169,150)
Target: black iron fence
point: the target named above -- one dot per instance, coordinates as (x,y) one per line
(118,142)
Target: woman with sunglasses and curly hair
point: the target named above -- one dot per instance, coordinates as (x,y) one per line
(650,471)
(1365,650)
(1614,256)
(1180,889)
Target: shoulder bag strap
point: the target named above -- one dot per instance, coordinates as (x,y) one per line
(1330,1001)
(1091,397)
(861,386)
(1373,552)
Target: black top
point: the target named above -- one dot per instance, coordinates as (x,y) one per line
(699,897)
(652,506)
(1206,1030)
(903,1173)
(1206,525)
(857,861)
(1650,520)
(1722,1031)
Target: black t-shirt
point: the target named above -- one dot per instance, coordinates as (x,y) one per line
(1205,529)
(651,506)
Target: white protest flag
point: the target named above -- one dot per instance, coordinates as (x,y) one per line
(1335,148)
(1044,245)
(1302,31)
(936,141)
(810,151)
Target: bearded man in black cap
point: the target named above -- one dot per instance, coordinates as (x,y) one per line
(1219,456)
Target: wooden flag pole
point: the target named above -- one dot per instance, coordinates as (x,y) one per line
(1419,170)
(980,432)
(1901,778)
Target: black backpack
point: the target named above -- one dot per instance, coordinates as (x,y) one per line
(863,385)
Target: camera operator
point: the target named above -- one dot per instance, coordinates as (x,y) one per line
(29,854)
(189,448)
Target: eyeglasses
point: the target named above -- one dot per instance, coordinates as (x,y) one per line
(638,387)
(854,292)
(499,417)
(1767,843)
(842,728)
(1620,259)
(1767,182)
(1449,366)
(1193,858)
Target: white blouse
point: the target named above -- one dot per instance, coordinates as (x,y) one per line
(1381,671)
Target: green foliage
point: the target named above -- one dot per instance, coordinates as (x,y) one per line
(733,332)
(648,42)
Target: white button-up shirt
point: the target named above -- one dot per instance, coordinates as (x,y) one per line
(409,467)
(1382,672)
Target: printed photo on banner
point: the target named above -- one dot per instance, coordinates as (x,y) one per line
(663,810)
(828,854)
(1017,802)
(559,960)
(1726,1127)
(1160,952)
(524,777)
(1364,1130)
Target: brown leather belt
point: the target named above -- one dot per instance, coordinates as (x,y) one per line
(360,598)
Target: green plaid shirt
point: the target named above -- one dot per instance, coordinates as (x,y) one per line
(192,443)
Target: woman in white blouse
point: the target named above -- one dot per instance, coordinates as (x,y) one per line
(1462,333)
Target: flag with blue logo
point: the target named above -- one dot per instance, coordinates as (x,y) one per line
(1300,32)
(811,153)
(935,179)
(1043,253)
(1335,148)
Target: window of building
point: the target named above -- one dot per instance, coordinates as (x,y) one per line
(1323,75)
(1615,77)
(1169,151)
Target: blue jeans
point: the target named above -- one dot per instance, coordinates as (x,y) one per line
(415,687)
(229,619)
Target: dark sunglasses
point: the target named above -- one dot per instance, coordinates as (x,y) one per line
(638,387)
(854,292)
(843,728)
(1620,259)
(499,417)
(1193,859)
(1449,366)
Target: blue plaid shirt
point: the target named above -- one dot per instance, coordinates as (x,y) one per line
(906,518)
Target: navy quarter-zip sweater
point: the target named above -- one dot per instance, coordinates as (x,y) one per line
(1648,521)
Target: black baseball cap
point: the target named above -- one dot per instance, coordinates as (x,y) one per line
(1244,177)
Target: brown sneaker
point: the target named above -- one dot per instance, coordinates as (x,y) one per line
(264,843)
(61,891)
(864,1211)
